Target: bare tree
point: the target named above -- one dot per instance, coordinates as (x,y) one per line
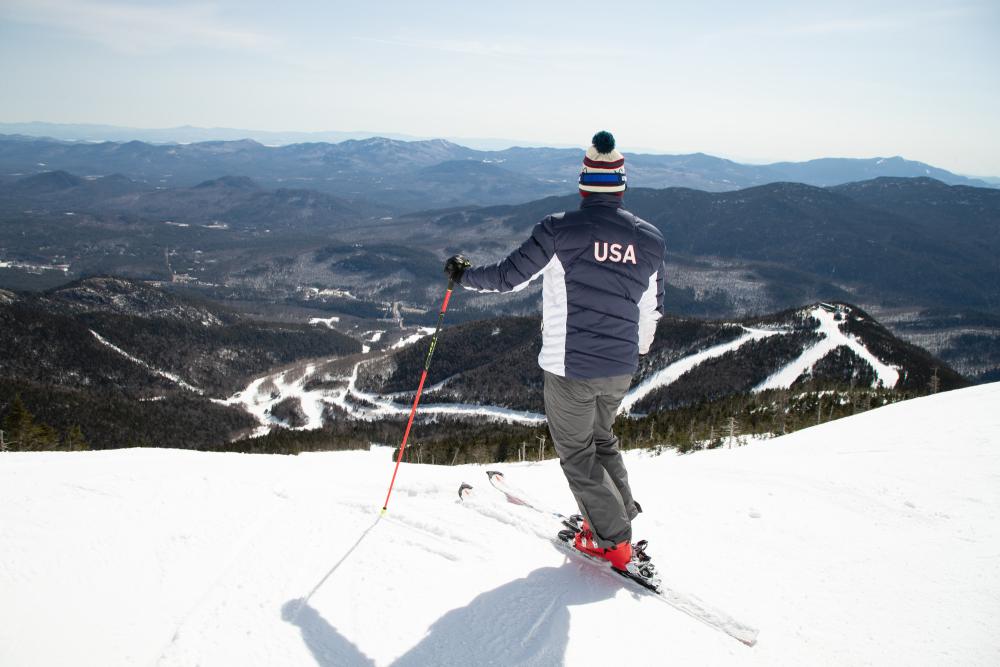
(733,432)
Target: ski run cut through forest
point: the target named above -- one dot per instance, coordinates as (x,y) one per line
(261,396)
(874,539)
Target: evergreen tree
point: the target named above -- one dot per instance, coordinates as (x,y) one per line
(17,424)
(24,434)
(74,440)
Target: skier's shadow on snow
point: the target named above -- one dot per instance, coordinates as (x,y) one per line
(523,622)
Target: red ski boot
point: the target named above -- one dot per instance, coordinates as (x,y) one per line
(618,555)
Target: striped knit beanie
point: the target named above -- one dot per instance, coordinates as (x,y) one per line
(603,167)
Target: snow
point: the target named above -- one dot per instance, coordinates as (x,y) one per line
(413,338)
(313,292)
(375,406)
(264,393)
(672,372)
(869,540)
(382,406)
(833,338)
(327,321)
(170,376)
(33,268)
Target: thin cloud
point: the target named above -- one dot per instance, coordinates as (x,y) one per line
(138,29)
(841,25)
(471,47)
(882,23)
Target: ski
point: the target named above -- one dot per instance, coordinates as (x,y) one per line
(686,604)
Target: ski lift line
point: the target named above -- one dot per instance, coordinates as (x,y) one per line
(420,388)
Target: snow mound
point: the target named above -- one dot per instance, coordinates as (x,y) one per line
(869,540)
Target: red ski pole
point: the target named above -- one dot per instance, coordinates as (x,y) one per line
(420,388)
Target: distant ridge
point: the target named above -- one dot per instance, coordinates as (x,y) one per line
(425,174)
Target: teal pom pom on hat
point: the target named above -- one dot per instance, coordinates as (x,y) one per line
(603,167)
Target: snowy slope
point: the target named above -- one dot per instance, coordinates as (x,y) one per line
(871,540)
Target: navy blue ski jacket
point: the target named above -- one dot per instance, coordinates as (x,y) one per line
(602,289)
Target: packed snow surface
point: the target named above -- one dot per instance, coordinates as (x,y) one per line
(870,540)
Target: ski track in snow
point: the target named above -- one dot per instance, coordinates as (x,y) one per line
(170,376)
(868,540)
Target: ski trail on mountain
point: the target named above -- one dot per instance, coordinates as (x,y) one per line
(833,337)
(671,373)
(136,360)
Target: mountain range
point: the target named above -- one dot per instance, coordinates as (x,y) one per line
(900,246)
(413,175)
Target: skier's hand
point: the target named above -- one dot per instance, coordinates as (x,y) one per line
(456,266)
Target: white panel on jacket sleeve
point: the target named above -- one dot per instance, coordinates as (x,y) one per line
(555,311)
(648,315)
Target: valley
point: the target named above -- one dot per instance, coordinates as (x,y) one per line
(297,315)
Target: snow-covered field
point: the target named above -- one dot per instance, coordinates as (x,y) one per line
(870,540)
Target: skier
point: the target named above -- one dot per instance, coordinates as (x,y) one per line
(602,293)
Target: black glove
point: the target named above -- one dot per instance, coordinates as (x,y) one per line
(456,266)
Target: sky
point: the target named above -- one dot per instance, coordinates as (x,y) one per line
(754,81)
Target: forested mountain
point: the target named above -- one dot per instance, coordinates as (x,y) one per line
(98,353)
(111,362)
(901,246)
(494,361)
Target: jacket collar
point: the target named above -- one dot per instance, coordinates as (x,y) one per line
(600,199)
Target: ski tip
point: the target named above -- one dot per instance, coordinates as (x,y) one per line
(494,473)
(464,490)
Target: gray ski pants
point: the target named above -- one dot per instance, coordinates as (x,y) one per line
(580,414)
